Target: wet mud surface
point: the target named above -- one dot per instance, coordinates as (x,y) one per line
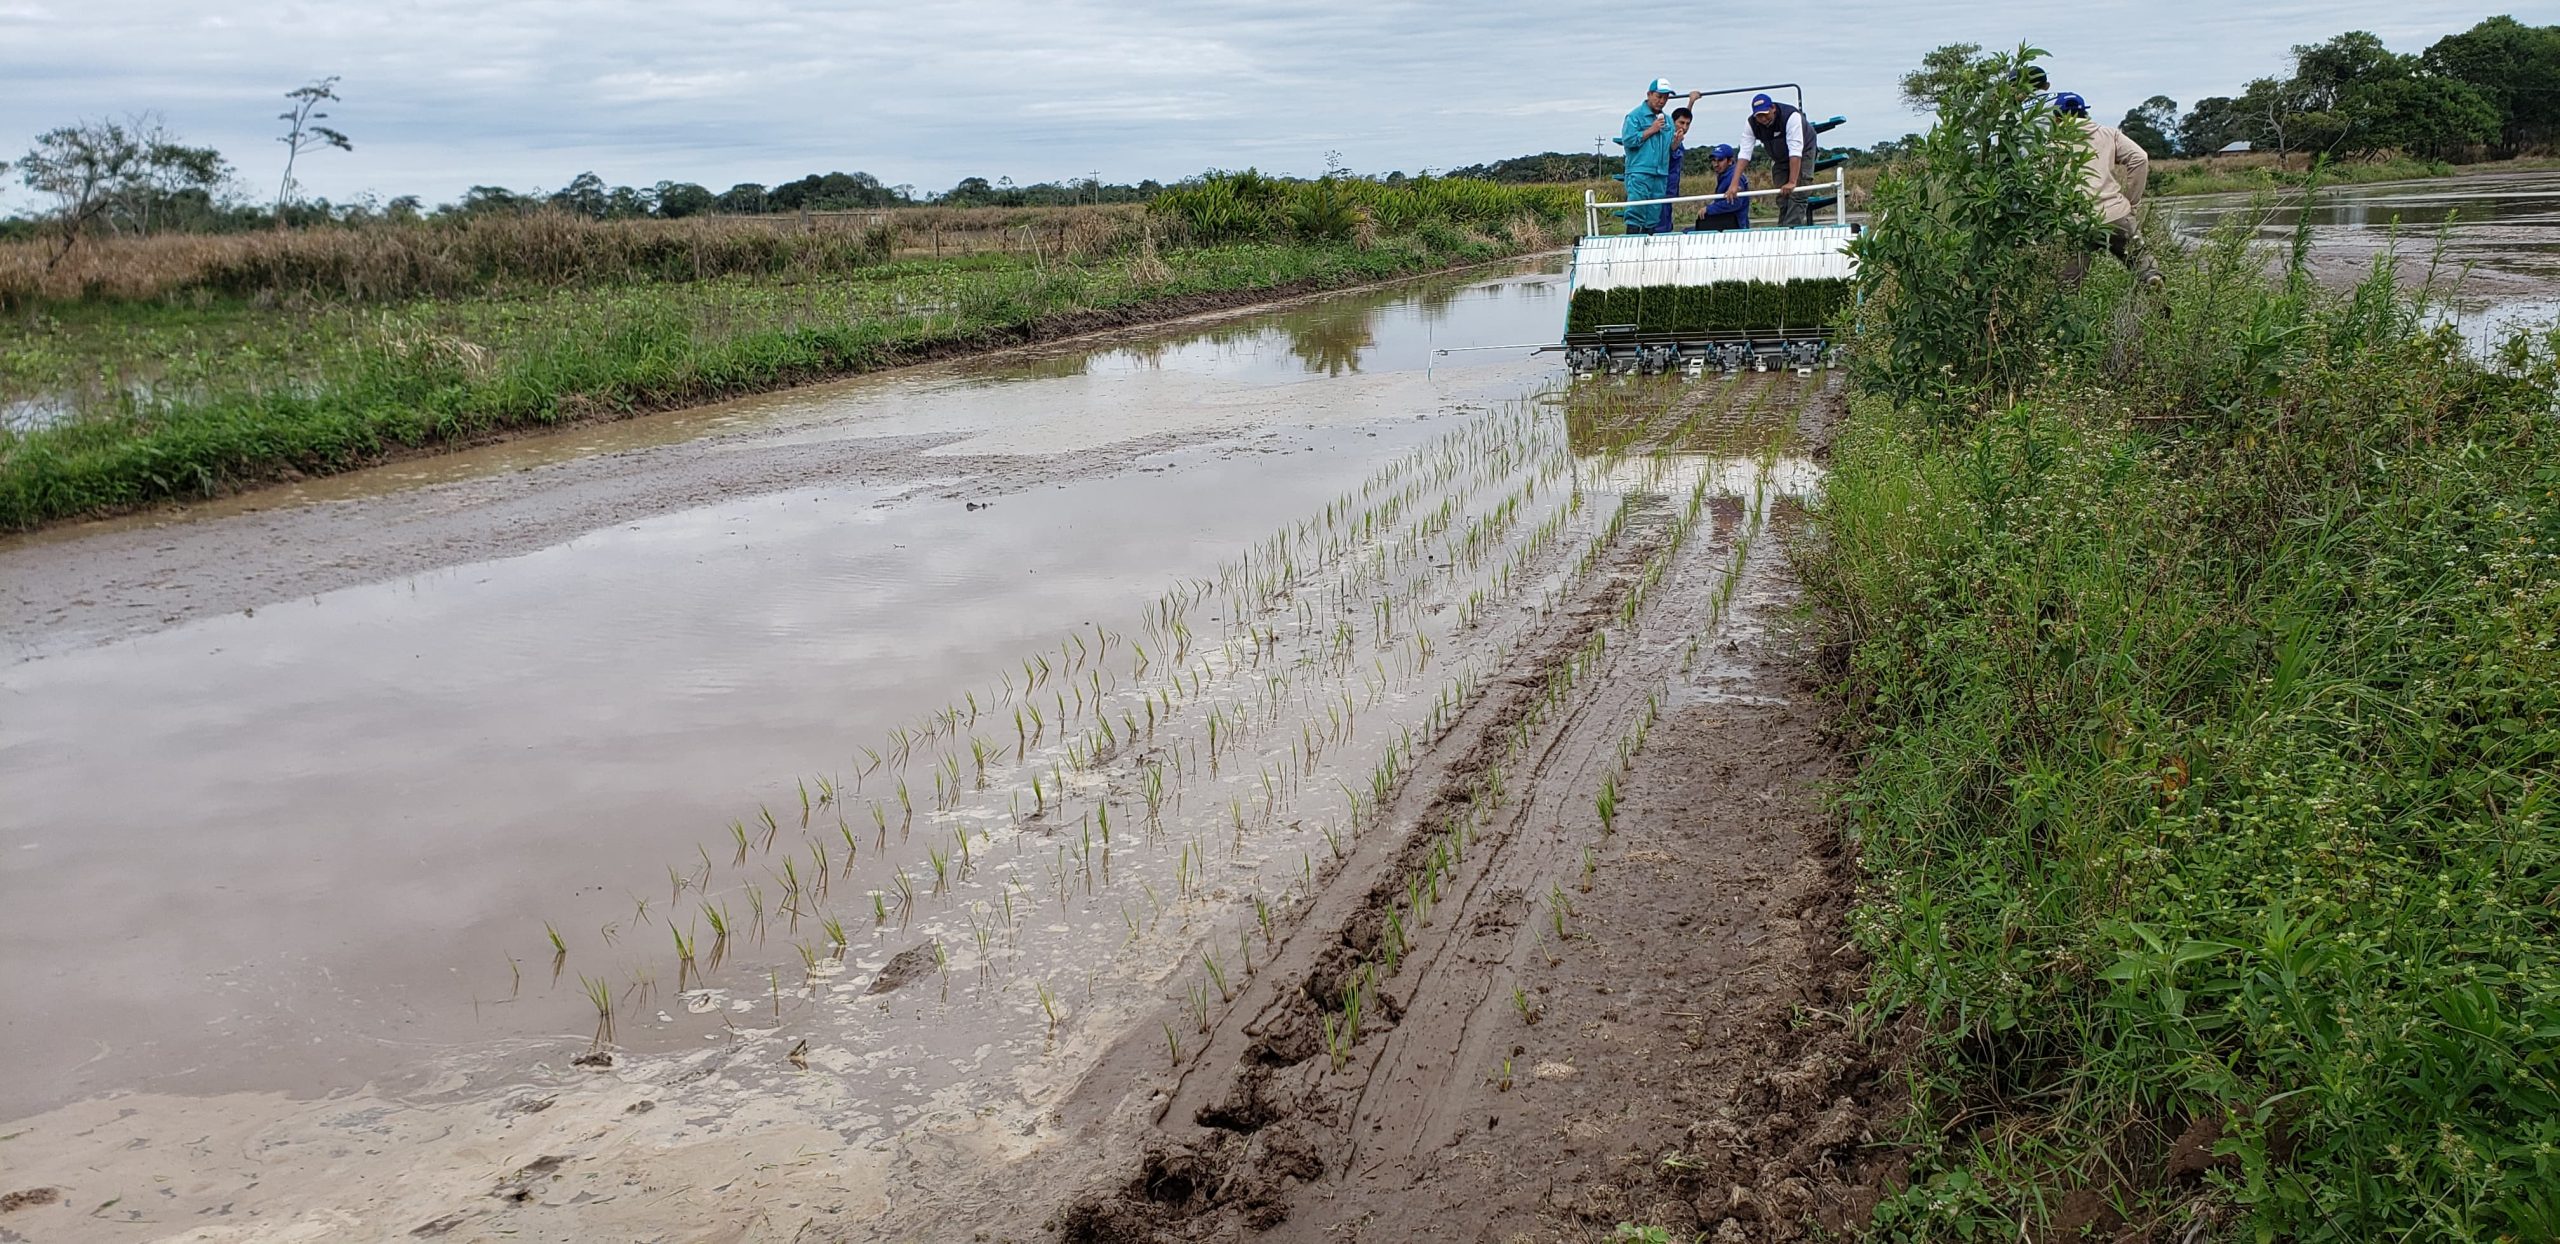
(1105,807)
(1016,419)
(1634,1017)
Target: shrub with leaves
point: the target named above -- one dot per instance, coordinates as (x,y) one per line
(1961,301)
(2211,719)
(1235,206)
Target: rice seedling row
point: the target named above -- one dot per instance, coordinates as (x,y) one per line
(1150,721)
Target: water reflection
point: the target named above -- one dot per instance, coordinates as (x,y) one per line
(29,414)
(1330,343)
(1347,334)
(1186,378)
(2504,225)
(2489,245)
(354,794)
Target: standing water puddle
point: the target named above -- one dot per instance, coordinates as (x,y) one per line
(872,816)
(316,845)
(2504,228)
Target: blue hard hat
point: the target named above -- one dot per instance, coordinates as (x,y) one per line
(1721,151)
(2070,102)
(1762,102)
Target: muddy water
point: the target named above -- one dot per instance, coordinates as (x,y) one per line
(974,791)
(2493,240)
(315,843)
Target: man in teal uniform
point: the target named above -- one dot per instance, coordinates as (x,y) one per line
(1647,137)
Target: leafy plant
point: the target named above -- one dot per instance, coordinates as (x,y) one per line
(2210,697)
(1960,298)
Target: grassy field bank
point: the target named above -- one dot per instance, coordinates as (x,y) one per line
(500,252)
(2230,174)
(200,366)
(2212,692)
(2204,650)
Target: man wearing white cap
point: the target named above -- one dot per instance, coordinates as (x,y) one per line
(1647,137)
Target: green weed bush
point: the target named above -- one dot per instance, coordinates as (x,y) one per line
(1233,206)
(1959,298)
(2211,728)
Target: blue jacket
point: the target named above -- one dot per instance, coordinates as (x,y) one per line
(1671,184)
(1726,181)
(1646,155)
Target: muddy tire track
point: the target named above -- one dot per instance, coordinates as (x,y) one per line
(1598,1022)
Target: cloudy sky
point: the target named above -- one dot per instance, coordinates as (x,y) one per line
(444,94)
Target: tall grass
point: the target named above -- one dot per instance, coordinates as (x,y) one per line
(1247,205)
(2211,691)
(392,262)
(178,402)
(2229,174)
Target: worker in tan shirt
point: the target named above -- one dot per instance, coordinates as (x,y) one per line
(2117,173)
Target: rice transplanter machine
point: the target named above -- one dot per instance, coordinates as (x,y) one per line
(1759,298)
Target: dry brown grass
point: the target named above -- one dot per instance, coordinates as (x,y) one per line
(541,250)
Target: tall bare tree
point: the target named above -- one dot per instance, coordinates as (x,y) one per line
(303,133)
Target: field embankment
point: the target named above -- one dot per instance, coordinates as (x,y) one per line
(175,368)
(2242,173)
(2207,672)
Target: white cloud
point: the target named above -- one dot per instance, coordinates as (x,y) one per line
(444,94)
(642,84)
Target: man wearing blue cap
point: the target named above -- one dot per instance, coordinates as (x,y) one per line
(1647,137)
(2116,171)
(1730,211)
(1783,132)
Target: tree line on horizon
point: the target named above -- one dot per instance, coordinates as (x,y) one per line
(135,177)
(2490,92)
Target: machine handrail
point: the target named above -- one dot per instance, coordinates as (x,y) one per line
(1591,204)
(1754,90)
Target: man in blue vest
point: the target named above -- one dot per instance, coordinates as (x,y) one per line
(1782,131)
(1731,211)
(1646,135)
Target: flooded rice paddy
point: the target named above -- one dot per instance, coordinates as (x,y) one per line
(773,820)
(850,819)
(2490,241)
(335,825)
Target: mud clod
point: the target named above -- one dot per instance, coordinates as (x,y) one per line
(29,1198)
(905,968)
(2191,1154)
(527,1182)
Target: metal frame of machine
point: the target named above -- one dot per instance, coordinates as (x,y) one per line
(1777,254)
